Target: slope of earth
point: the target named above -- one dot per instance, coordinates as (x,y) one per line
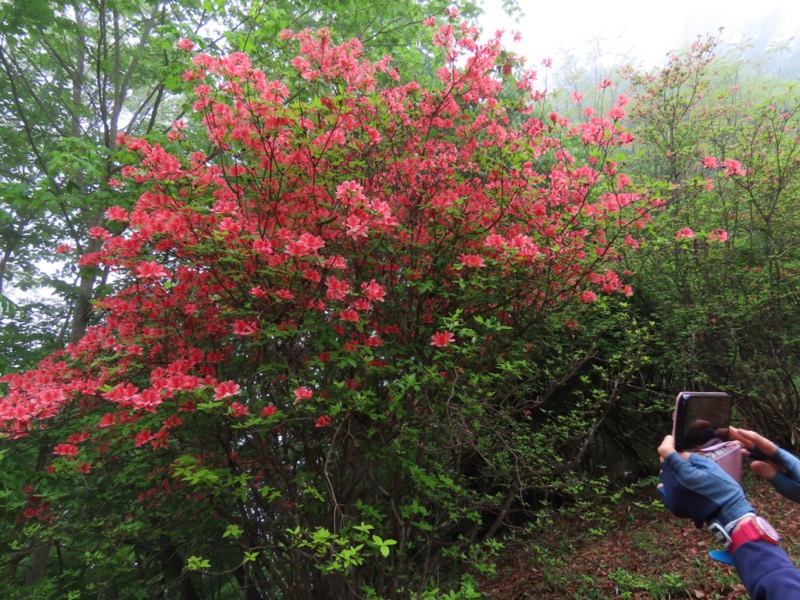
(630,547)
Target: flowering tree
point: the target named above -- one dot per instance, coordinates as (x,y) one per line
(337,353)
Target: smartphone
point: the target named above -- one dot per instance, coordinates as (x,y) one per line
(701,424)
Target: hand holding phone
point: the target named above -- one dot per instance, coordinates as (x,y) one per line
(701,424)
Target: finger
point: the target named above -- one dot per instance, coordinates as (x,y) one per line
(740,435)
(667,446)
(766,446)
(763,469)
(744,435)
(751,438)
(778,468)
(665,500)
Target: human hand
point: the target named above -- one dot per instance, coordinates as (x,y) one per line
(772,462)
(667,447)
(695,487)
(759,448)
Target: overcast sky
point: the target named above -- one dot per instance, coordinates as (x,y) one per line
(640,31)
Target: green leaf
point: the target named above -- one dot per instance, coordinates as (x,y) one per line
(197,563)
(7,307)
(232,530)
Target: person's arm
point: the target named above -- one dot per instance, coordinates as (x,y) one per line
(772,462)
(766,571)
(693,486)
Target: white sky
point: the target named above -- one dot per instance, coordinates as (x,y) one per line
(638,31)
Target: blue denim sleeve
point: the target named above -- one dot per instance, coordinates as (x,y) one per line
(767,572)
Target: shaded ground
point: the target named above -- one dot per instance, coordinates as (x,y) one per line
(630,547)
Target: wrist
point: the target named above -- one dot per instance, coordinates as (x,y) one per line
(674,460)
(734,525)
(732,512)
(747,528)
(782,457)
(722,531)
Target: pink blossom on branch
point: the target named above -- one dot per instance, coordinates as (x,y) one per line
(733,168)
(147,400)
(151,270)
(303,393)
(107,420)
(185,45)
(719,235)
(242,327)
(116,213)
(142,438)
(374,291)
(226,389)
(238,410)
(65,450)
(350,314)
(441,339)
(472,260)
(337,289)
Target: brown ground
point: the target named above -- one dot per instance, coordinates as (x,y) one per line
(635,550)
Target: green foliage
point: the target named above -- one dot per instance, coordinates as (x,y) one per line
(7,307)
(385,27)
(725,308)
(432,455)
(660,587)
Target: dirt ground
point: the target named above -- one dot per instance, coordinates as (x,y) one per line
(636,550)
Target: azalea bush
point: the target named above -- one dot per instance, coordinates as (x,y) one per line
(346,333)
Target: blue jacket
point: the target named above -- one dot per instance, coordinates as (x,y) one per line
(767,572)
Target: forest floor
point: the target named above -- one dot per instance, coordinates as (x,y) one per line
(629,547)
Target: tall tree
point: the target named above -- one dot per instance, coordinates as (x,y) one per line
(74,75)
